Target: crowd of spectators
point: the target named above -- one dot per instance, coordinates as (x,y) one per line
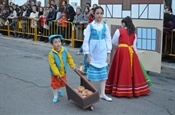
(45,15)
(168,31)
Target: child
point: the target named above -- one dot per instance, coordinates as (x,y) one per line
(97,46)
(58,59)
(62,23)
(126,77)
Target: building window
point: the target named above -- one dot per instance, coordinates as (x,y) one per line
(137,11)
(148,39)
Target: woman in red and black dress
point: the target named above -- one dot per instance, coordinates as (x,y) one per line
(126,78)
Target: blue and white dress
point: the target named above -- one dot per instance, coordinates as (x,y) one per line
(97,43)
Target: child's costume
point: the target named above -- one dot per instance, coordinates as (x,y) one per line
(126,77)
(58,66)
(97,43)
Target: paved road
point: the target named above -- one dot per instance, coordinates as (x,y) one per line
(25,78)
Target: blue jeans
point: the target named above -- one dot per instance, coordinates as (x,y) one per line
(81,49)
(12,25)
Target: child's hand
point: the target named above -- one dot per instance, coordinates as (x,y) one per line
(58,77)
(74,68)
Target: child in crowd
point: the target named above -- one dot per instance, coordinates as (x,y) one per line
(62,23)
(97,46)
(58,59)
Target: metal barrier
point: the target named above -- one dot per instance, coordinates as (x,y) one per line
(72,32)
(169,44)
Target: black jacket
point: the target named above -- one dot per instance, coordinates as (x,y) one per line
(70,13)
(51,16)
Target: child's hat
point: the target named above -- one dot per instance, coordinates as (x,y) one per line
(51,37)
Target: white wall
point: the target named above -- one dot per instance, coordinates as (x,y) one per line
(74,3)
(21,2)
(173,6)
(94,2)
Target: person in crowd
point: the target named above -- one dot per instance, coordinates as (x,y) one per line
(53,4)
(3,17)
(78,18)
(58,13)
(91,16)
(38,5)
(33,19)
(70,12)
(94,5)
(40,19)
(167,28)
(88,5)
(13,16)
(86,13)
(51,16)
(62,25)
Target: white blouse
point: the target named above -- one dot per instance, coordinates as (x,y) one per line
(98,27)
(116,36)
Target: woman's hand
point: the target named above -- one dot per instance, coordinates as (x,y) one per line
(108,60)
(88,59)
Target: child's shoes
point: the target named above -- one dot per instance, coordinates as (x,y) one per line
(55,100)
(60,93)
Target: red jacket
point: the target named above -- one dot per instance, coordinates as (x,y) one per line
(63,20)
(90,18)
(42,19)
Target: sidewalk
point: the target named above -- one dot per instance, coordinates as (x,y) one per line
(29,41)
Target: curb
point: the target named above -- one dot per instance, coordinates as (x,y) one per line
(38,43)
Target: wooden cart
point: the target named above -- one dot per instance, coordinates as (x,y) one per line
(87,102)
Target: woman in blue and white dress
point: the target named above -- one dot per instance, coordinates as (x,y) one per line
(97,46)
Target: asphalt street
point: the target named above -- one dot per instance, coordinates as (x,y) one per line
(25,80)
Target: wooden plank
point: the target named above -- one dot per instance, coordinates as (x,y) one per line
(126,5)
(110,1)
(132,1)
(147,1)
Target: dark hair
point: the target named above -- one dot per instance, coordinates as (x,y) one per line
(87,8)
(98,7)
(129,24)
(88,4)
(170,9)
(12,9)
(65,2)
(94,5)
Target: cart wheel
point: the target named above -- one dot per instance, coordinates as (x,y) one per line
(91,108)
